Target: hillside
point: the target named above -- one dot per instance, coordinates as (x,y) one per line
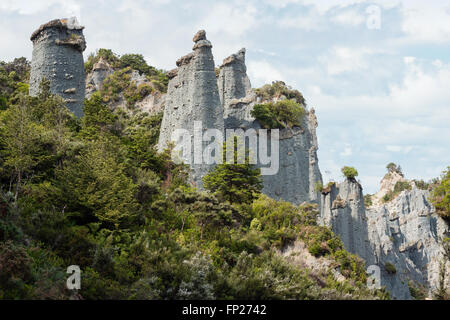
(99,189)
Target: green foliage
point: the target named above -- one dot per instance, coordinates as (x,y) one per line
(349,172)
(279,115)
(417,291)
(390,268)
(318,186)
(367,200)
(136,62)
(119,82)
(398,188)
(440,195)
(94,192)
(392,167)
(278,89)
(234,182)
(110,57)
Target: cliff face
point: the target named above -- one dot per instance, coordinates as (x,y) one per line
(299,170)
(405,233)
(58,57)
(236,93)
(192,95)
(343,210)
(94,80)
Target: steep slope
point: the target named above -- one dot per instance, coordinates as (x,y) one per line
(298,171)
(58,48)
(402,237)
(192,95)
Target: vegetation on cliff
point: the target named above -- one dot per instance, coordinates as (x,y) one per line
(121,81)
(279,90)
(279,115)
(440,195)
(94,192)
(349,172)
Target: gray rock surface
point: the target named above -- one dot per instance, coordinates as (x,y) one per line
(299,169)
(406,233)
(94,80)
(58,57)
(192,95)
(235,90)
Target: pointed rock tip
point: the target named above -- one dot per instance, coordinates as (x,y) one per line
(200,35)
(240,55)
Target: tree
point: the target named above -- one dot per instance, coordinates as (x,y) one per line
(440,195)
(392,167)
(234,182)
(19,136)
(96,184)
(281,114)
(349,172)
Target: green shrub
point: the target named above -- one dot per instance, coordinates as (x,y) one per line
(440,195)
(349,172)
(279,115)
(418,292)
(367,200)
(390,268)
(278,89)
(318,186)
(392,167)
(398,188)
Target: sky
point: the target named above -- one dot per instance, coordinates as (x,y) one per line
(376,72)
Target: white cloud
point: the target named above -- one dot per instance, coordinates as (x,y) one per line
(261,72)
(344,59)
(402,149)
(69,8)
(347,151)
(349,17)
(308,22)
(426,22)
(233,19)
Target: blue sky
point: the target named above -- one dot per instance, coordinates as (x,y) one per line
(381,91)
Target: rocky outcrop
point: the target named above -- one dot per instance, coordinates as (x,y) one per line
(94,80)
(152,103)
(192,95)
(236,93)
(299,170)
(387,184)
(342,208)
(58,57)
(403,237)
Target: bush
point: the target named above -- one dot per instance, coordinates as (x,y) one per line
(398,188)
(349,172)
(440,195)
(390,268)
(392,167)
(279,115)
(278,89)
(318,186)
(367,200)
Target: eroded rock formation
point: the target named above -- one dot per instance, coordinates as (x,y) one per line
(94,80)
(299,169)
(402,237)
(58,57)
(192,95)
